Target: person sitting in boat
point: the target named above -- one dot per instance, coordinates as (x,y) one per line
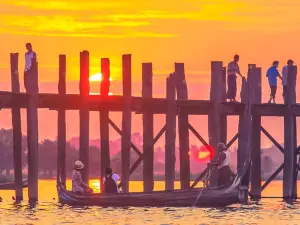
(78,186)
(223,166)
(110,182)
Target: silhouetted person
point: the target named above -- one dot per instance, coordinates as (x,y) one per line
(78,186)
(110,185)
(272,75)
(285,72)
(223,166)
(232,70)
(30,67)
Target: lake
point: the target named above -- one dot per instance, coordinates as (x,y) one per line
(49,211)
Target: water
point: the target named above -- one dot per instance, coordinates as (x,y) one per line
(48,211)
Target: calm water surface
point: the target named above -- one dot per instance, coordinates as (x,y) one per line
(48,211)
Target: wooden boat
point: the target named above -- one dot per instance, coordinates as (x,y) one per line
(236,193)
(177,198)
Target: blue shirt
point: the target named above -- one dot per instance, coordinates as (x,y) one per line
(272,75)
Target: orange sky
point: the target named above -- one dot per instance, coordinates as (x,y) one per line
(160,31)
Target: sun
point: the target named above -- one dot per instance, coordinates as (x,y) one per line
(97,77)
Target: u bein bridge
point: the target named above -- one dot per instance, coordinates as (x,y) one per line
(175,106)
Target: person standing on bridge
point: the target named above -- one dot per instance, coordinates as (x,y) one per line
(30,71)
(272,75)
(232,70)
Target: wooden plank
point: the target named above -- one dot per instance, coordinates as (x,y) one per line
(32,133)
(272,139)
(16,124)
(235,137)
(140,159)
(170,136)
(117,129)
(183,121)
(290,139)
(84,114)
(148,172)
(268,181)
(61,126)
(214,129)
(198,136)
(126,122)
(104,117)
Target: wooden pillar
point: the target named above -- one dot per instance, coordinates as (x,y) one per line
(223,117)
(104,116)
(214,122)
(126,121)
(16,123)
(183,121)
(254,79)
(170,138)
(148,147)
(290,139)
(61,137)
(84,114)
(32,133)
(245,125)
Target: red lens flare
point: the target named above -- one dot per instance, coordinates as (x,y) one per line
(204,153)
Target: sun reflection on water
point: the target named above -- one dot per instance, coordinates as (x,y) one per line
(95,185)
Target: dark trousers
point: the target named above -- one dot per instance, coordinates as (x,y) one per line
(273,90)
(224,176)
(231,92)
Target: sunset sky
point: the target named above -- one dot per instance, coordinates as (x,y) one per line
(159,31)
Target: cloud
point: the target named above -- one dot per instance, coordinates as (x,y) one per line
(136,18)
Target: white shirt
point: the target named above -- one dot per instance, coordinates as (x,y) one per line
(226,160)
(284,75)
(233,68)
(28,59)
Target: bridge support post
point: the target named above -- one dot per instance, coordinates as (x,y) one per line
(170,138)
(183,122)
(217,121)
(148,147)
(290,141)
(104,116)
(17,132)
(126,122)
(32,89)
(61,126)
(84,114)
(254,79)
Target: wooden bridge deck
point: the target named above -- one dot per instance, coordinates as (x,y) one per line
(139,105)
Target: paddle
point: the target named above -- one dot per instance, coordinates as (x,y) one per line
(200,192)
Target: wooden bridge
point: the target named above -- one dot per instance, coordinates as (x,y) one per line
(176,104)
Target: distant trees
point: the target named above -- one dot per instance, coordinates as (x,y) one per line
(6,151)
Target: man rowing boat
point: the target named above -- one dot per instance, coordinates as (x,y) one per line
(223,166)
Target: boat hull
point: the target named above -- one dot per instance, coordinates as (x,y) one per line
(178,198)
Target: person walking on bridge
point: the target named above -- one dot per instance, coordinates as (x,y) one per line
(232,70)
(272,75)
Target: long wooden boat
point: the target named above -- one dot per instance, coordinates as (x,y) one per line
(177,198)
(207,197)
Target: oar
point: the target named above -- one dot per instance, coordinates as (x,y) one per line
(200,192)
